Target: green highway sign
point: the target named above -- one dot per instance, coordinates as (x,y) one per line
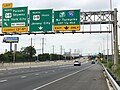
(67,20)
(40,20)
(15,19)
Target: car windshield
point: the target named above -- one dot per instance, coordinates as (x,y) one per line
(76,61)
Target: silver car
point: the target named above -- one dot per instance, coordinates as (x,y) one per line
(77,63)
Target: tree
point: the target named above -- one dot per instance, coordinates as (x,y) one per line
(8,57)
(2,57)
(44,57)
(30,51)
(21,57)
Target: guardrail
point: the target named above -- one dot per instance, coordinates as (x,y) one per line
(112,81)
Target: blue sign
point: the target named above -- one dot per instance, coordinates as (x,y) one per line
(11,39)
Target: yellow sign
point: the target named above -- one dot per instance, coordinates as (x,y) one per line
(7,5)
(67,28)
(15,29)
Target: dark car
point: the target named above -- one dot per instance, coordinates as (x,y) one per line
(77,63)
(92,62)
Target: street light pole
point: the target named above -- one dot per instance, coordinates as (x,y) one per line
(110,4)
(107,48)
(103,50)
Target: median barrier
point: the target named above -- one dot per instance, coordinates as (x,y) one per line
(33,64)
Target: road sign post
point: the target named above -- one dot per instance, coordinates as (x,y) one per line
(15,19)
(40,20)
(67,20)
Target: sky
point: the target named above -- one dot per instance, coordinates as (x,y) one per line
(83,43)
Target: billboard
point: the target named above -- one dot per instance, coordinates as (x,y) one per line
(11,39)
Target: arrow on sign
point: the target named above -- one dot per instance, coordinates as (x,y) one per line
(40,28)
(5,24)
(66,27)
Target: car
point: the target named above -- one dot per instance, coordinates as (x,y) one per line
(92,62)
(77,63)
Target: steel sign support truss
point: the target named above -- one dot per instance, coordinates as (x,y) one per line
(99,17)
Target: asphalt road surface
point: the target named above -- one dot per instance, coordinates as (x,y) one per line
(65,77)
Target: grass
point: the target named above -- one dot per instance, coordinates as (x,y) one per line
(117,72)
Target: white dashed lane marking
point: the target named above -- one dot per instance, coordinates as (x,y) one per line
(23,76)
(37,74)
(1,81)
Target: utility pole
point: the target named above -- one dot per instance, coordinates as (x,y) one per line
(107,49)
(115,39)
(60,51)
(31,52)
(14,56)
(103,50)
(53,49)
(70,54)
(43,45)
(110,4)
(31,42)
(81,51)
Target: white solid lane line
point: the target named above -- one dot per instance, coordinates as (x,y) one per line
(61,78)
(1,81)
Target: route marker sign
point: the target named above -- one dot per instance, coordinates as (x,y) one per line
(67,20)
(15,19)
(40,20)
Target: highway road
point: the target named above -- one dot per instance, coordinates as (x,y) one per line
(64,77)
